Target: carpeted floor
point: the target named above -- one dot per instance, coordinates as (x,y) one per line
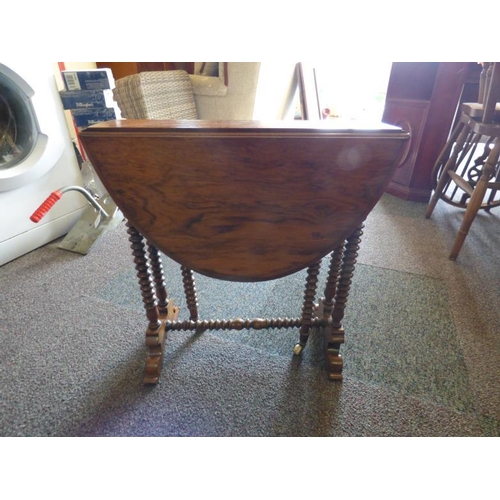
(421,357)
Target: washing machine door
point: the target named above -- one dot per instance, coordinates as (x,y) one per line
(26,150)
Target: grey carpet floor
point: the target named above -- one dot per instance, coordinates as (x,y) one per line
(421,357)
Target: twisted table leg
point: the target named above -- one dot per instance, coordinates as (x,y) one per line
(334,334)
(155,333)
(159,279)
(190,292)
(308,307)
(325,306)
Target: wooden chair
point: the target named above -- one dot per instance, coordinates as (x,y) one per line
(467,172)
(244,201)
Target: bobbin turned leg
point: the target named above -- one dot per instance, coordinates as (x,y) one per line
(324,308)
(155,333)
(167,310)
(190,292)
(341,273)
(159,279)
(308,307)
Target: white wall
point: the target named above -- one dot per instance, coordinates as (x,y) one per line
(275,89)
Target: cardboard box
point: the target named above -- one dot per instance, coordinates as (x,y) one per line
(86,117)
(85,99)
(88,79)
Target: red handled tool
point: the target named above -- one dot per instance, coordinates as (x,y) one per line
(55,196)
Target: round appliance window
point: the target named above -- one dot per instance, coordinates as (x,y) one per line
(18,126)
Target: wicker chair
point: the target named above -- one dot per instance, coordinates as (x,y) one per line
(156,95)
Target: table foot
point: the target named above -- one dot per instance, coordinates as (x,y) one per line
(155,344)
(334,338)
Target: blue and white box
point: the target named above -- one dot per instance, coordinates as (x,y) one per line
(86,99)
(87,117)
(88,79)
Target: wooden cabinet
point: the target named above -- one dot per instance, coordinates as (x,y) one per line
(422,98)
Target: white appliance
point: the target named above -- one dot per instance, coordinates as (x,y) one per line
(37,157)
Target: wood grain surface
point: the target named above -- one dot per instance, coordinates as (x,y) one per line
(244,201)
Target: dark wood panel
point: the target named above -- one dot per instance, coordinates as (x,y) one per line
(411,116)
(437,87)
(122,69)
(119,69)
(413,80)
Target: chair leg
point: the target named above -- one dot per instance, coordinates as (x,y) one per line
(451,164)
(445,153)
(476,199)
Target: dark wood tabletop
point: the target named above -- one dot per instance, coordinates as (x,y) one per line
(244,200)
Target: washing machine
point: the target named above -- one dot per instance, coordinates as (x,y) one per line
(37,157)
